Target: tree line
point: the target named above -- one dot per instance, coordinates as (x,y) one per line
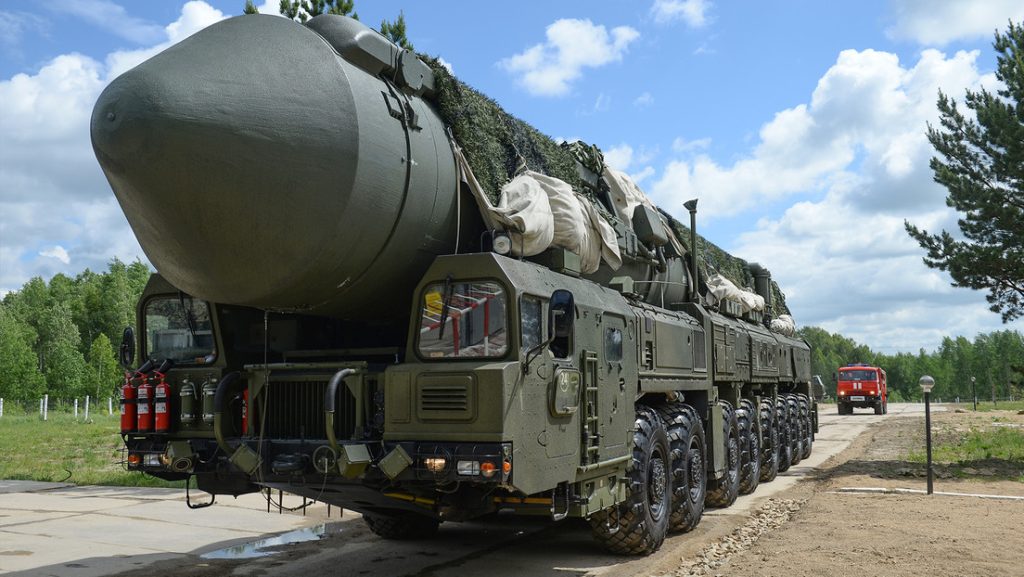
(995,360)
(60,338)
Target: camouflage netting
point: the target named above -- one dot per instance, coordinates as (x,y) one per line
(713,259)
(494,140)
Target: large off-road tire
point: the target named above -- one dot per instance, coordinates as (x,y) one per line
(878,408)
(885,407)
(750,447)
(770,442)
(639,525)
(689,473)
(723,492)
(785,452)
(796,429)
(402,526)
(808,421)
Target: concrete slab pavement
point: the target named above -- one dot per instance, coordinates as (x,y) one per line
(56,529)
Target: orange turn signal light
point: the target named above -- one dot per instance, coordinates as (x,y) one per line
(487,469)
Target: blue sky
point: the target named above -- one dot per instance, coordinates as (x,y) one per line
(799,124)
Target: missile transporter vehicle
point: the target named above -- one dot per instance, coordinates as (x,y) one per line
(335,314)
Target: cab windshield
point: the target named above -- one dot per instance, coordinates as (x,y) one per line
(179,328)
(461,319)
(858,376)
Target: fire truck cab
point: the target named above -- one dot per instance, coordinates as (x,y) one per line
(861,385)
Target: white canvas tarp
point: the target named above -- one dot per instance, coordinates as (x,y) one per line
(784,325)
(544,211)
(723,289)
(540,211)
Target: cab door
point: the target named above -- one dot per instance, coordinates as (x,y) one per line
(612,371)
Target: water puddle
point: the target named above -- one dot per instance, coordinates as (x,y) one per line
(260,548)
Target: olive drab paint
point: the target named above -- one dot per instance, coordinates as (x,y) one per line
(332,318)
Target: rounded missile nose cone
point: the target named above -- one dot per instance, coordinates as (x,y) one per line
(231,152)
(118,125)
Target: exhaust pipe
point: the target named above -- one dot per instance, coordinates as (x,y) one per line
(691,205)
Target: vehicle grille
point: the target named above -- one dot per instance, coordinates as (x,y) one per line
(444,398)
(295,409)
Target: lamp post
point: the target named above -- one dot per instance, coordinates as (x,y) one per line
(927,383)
(974,393)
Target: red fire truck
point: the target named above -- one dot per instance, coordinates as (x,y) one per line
(864,386)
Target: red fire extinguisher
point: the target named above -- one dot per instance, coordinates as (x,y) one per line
(145,407)
(129,398)
(147,397)
(162,398)
(128,406)
(161,407)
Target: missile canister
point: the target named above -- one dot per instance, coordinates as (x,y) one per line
(266,163)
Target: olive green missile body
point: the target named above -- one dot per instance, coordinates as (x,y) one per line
(265,163)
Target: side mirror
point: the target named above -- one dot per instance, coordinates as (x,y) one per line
(835,377)
(126,352)
(817,388)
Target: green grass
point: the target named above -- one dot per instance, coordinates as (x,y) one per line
(65,450)
(997,453)
(986,406)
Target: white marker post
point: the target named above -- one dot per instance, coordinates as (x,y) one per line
(46,406)
(87,407)
(76,409)
(1,406)
(110,407)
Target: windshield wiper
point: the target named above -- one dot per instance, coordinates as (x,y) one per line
(190,316)
(447,293)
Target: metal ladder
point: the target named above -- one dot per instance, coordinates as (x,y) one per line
(591,420)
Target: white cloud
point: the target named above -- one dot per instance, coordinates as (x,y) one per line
(644,100)
(857,152)
(643,174)
(867,114)
(572,45)
(110,17)
(58,252)
(683,145)
(939,23)
(14,25)
(619,157)
(692,12)
(54,200)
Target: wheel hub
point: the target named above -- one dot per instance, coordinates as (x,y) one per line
(657,482)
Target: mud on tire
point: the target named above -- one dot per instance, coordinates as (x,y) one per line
(723,492)
(402,526)
(750,447)
(770,442)
(639,525)
(689,473)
